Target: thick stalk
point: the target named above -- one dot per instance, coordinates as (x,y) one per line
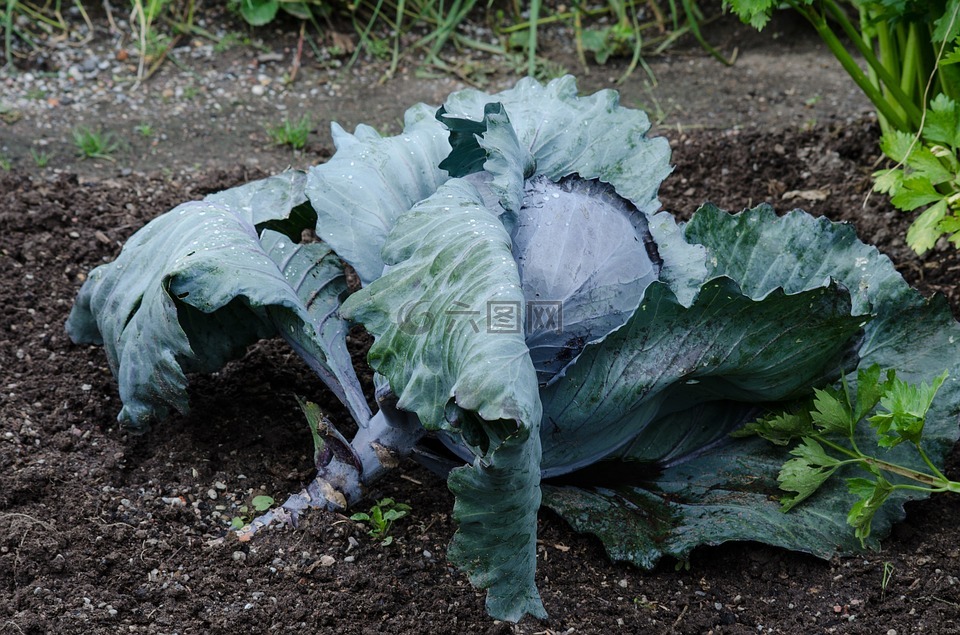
(532,38)
(910,80)
(884,108)
(345,470)
(879,73)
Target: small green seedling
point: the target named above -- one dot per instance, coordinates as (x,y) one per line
(290,133)
(94,144)
(144,130)
(381,518)
(259,504)
(886,577)
(5,164)
(828,440)
(41,159)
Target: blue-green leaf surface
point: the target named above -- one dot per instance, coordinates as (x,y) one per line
(448,321)
(371,180)
(196,286)
(673,497)
(726,346)
(316,275)
(566,134)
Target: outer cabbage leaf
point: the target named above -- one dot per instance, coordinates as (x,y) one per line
(448,316)
(371,180)
(193,288)
(797,252)
(276,203)
(681,485)
(728,493)
(669,357)
(316,274)
(567,134)
(491,147)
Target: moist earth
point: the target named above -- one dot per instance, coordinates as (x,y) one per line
(105,531)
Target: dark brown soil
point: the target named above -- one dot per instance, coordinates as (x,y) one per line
(102,531)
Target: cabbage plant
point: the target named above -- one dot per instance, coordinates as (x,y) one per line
(544,335)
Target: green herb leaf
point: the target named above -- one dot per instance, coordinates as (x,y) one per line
(805,473)
(917,191)
(887,181)
(262,503)
(872,495)
(259,12)
(870,389)
(907,406)
(925,231)
(831,412)
(779,428)
(756,13)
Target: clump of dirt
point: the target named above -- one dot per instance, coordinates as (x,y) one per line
(104,531)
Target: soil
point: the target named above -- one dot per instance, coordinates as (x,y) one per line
(103,531)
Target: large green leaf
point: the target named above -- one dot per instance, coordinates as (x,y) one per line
(725,346)
(277,202)
(316,274)
(666,497)
(196,286)
(591,136)
(371,180)
(448,320)
(917,337)
(797,252)
(728,493)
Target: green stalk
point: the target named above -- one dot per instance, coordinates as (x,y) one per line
(930,464)
(365,35)
(913,475)
(910,80)
(879,73)
(446,26)
(949,77)
(532,38)
(8,32)
(690,9)
(637,48)
(396,40)
(883,107)
(920,477)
